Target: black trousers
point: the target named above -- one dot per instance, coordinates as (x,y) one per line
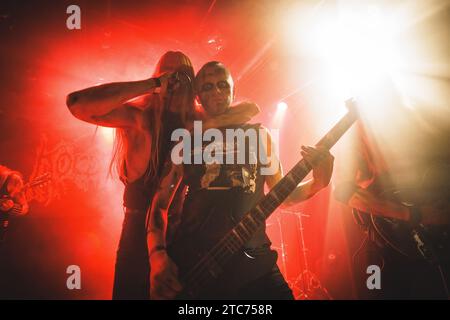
(271,286)
(132,269)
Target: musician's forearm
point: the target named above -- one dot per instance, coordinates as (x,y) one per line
(304,191)
(156,229)
(364,201)
(102,99)
(237,114)
(155,239)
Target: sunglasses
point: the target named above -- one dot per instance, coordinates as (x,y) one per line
(221,85)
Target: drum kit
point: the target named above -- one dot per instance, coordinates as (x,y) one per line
(304,283)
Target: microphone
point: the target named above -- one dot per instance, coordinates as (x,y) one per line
(176,79)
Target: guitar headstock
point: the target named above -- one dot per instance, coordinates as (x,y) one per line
(351,104)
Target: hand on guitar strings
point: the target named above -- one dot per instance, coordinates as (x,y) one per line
(14,187)
(321,161)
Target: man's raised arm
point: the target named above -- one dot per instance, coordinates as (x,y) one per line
(95,103)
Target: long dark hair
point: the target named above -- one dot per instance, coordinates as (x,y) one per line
(171,61)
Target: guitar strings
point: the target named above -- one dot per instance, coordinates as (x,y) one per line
(198,273)
(219,251)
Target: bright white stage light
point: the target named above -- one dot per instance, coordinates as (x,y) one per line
(278,117)
(353,47)
(107,134)
(282,106)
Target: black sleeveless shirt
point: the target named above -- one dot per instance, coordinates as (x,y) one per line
(223,189)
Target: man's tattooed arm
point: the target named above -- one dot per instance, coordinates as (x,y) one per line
(157,215)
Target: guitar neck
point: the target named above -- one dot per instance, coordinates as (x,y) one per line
(28,191)
(256,217)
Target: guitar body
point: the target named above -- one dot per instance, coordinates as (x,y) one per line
(416,242)
(224,281)
(431,241)
(28,191)
(396,234)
